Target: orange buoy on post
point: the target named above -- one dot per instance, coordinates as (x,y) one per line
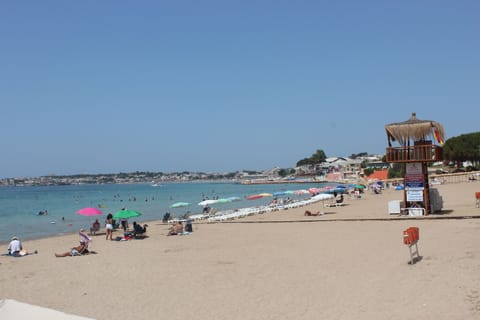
(410,238)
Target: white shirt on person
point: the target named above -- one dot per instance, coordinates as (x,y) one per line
(14,246)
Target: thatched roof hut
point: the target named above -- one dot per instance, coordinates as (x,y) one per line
(414,130)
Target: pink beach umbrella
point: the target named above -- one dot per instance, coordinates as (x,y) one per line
(89,212)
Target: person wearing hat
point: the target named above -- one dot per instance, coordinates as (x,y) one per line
(15,247)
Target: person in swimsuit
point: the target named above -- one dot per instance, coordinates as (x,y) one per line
(309,213)
(109,226)
(176,229)
(75,251)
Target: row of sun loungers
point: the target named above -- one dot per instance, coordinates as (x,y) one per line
(245,212)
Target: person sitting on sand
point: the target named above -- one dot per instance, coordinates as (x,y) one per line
(309,213)
(339,200)
(138,229)
(95,227)
(75,251)
(176,229)
(166,217)
(15,248)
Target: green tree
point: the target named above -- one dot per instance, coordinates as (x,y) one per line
(396,171)
(283,173)
(358,155)
(368,171)
(465,147)
(318,157)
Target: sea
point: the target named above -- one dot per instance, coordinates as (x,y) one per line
(20,206)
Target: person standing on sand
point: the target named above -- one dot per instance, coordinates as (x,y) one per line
(109,226)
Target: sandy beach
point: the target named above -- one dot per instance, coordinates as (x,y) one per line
(349,263)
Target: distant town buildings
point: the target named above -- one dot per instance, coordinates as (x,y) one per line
(339,169)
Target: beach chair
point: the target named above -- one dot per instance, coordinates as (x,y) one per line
(86,240)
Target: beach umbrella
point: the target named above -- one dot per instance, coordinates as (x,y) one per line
(89,212)
(279,193)
(322,196)
(207,202)
(265,194)
(234,198)
(126,214)
(180,204)
(311,190)
(258,196)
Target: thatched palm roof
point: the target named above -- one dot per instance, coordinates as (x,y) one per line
(414,130)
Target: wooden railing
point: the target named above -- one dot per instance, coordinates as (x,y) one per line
(418,153)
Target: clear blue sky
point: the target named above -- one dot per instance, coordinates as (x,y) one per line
(119,86)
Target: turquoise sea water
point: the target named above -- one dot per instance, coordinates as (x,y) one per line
(19,206)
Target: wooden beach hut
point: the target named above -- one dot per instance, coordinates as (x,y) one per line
(415,143)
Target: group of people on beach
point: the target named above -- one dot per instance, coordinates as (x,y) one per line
(15,247)
(179,229)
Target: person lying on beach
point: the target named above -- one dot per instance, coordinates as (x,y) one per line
(309,213)
(75,251)
(176,229)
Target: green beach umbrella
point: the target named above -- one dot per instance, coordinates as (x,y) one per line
(180,204)
(125,214)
